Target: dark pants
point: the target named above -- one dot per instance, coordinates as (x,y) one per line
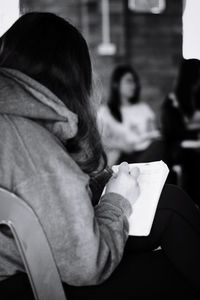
(169,273)
(190,162)
(176,228)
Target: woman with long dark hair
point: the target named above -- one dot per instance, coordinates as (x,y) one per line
(51,156)
(128,125)
(179,124)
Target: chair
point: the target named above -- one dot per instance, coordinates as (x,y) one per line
(33,247)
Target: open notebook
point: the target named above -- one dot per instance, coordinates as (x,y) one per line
(151,181)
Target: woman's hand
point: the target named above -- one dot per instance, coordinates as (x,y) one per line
(125,183)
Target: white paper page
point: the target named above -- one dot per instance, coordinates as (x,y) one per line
(151,181)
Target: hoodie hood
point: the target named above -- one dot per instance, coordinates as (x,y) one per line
(22,96)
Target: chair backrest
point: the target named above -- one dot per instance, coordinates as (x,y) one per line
(33,247)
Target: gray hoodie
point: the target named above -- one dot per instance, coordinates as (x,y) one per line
(87,242)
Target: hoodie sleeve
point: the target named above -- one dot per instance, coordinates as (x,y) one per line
(87,242)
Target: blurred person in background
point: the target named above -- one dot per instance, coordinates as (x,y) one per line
(128,125)
(180,126)
(180,106)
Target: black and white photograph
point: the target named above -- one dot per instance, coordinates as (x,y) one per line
(99,149)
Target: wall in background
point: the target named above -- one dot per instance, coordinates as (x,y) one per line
(154,47)
(151,42)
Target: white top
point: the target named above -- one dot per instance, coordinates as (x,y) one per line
(133,134)
(140,119)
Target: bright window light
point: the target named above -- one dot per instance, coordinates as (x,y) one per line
(191,29)
(9,13)
(147,6)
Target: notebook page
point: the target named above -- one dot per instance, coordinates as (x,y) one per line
(151,181)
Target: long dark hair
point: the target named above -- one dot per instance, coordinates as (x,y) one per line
(114,101)
(53,52)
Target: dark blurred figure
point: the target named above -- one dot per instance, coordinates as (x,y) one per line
(179,114)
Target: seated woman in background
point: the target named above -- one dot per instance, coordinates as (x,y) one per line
(180,108)
(50,152)
(180,126)
(128,126)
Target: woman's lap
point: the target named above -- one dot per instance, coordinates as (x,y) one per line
(176,228)
(173,201)
(145,273)
(139,276)
(142,273)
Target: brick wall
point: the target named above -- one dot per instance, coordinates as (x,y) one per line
(152,43)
